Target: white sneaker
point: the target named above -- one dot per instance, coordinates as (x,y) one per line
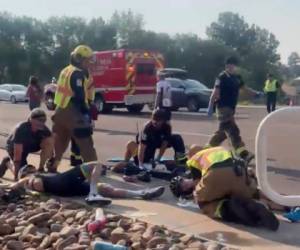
(97,199)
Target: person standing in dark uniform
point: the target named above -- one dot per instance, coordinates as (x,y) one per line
(225,96)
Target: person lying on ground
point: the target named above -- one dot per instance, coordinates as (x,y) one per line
(222,188)
(156,134)
(80,181)
(28,137)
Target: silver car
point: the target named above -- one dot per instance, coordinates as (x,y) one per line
(13,93)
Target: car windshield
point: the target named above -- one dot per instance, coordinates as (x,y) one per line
(195,84)
(18,88)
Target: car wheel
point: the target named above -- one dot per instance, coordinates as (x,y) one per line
(193,105)
(13,99)
(102,107)
(136,108)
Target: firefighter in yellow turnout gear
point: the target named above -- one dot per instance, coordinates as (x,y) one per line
(222,189)
(76,158)
(71,118)
(271,88)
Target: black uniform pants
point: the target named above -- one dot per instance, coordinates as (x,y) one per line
(271,101)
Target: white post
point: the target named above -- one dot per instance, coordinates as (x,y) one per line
(261,146)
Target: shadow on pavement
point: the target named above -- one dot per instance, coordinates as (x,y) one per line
(285,171)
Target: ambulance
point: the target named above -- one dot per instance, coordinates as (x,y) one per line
(125,78)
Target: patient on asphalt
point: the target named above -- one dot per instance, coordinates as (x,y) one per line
(156,134)
(27,137)
(79,181)
(222,188)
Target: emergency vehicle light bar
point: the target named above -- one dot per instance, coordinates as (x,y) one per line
(261,156)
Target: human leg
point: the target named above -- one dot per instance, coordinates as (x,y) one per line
(47,147)
(131,151)
(107,190)
(75,158)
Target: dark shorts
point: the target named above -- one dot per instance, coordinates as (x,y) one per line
(69,183)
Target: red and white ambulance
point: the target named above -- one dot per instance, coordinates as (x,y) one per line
(125,78)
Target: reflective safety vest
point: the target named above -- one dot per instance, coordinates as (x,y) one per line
(270,86)
(206,158)
(64,91)
(90,89)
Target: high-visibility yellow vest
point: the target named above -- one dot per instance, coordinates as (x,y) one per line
(90,89)
(206,158)
(270,86)
(64,91)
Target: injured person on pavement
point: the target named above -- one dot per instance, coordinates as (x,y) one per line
(223,190)
(80,181)
(156,134)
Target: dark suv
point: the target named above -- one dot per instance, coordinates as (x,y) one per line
(189,93)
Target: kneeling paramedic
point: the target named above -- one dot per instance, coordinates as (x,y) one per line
(71,118)
(156,134)
(222,189)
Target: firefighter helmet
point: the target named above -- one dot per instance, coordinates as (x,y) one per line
(83,51)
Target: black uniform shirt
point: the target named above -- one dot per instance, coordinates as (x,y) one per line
(229,85)
(152,136)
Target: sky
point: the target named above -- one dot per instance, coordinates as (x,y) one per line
(280,17)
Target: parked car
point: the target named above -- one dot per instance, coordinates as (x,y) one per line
(13,93)
(189,93)
(175,73)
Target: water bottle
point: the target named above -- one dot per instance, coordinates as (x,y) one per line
(101,245)
(99,222)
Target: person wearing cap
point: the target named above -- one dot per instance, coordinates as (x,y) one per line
(28,137)
(271,89)
(222,188)
(225,96)
(156,134)
(163,98)
(80,181)
(71,118)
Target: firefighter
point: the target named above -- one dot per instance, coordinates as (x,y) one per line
(163,95)
(71,118)
(225,95)
(271,88)
(76,158)
(222,188)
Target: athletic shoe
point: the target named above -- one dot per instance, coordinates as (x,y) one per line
(152,193)
(293,215)
(144,176)
(97,200)
(3,166)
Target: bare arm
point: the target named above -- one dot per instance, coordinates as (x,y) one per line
(20,183)
(141,152)
(18,150)
(215,95)
(249,91)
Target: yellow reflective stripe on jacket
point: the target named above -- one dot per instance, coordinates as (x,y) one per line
(64,91)
(90,89)
(204,159)
(270,86)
